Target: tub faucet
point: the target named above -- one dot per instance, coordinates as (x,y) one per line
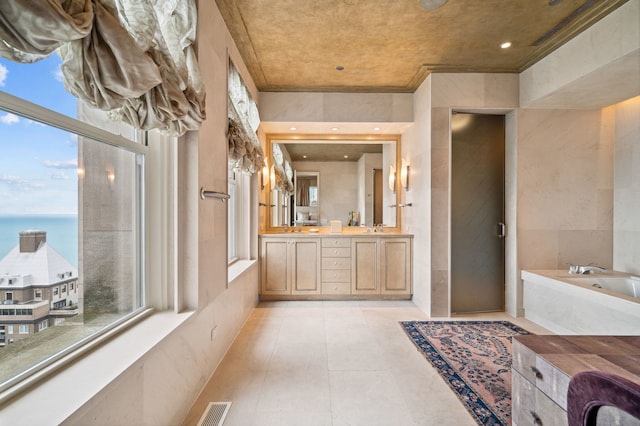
(590,269)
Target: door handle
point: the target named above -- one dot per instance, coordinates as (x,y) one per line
(502,230)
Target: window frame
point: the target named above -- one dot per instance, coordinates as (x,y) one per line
(232,213)
(239,216)
(29,110)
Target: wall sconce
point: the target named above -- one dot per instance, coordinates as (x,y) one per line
(404,175)
(392,178)
(272,177)
(111,178)
(263,175)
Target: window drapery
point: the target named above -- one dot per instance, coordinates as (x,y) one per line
(245,151)
(302,191)
(282,171)
(134,58)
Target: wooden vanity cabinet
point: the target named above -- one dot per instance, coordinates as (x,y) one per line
(336,267)
(395,265)
(290,266)
(365,276)
(381,266)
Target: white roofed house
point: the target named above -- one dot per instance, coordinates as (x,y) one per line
(38,288)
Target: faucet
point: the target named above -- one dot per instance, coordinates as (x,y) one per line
(589,269)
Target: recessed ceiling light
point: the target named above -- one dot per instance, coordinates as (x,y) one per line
(293,128)
(506,45)
(335,129)
(376,128)
(304,156)
(339,67)
(346,156)
(431,4)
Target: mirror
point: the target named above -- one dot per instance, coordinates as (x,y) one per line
(306,209)
(349,178)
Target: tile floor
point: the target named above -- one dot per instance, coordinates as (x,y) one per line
(335,363)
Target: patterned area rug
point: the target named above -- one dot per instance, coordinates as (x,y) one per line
(474,358)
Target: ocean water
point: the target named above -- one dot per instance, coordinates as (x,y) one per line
(62,233)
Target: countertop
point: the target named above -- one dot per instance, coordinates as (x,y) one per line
(324,231)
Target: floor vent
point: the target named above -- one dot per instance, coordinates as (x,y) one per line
(215,414)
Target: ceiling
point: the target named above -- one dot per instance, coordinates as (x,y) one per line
(339,151)
(393,45)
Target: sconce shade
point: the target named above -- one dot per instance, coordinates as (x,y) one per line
(392,178)
(263,176)
(272,178)
(404,175)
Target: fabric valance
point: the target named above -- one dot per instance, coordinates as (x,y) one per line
(282,171)
(245,151)
(134,58)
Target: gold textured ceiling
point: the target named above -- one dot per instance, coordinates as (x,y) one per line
(392,45)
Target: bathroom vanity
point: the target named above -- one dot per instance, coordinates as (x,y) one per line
(543,366)
(306,265)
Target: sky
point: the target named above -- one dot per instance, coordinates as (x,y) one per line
(38,163)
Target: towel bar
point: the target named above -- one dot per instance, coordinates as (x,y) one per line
(213,194)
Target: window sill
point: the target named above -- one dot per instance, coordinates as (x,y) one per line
(239,267)
(65,392)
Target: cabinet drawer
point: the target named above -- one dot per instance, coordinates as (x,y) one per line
(336,251)
(523,399)
(523,361)
(553,382)
(336,242)
(543,375)
(336,275)
(531,406)
(336,263)
(336,288)
(548,413)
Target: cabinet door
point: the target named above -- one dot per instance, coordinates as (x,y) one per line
(395,265)
(305,262)
(275,266)
(365,276)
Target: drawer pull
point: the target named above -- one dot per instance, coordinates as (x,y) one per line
(535,418)
(536,372)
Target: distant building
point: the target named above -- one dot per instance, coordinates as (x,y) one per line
(38,288)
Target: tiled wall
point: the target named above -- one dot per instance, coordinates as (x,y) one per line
(590,70)
(416,147)
(565,188)
(478,92)
(626,194)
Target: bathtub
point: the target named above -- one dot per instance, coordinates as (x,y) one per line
(600,304)
(625,286)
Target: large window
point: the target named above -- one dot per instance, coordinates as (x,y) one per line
(238,216)
(76,191)
(233,210)
(245,158)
